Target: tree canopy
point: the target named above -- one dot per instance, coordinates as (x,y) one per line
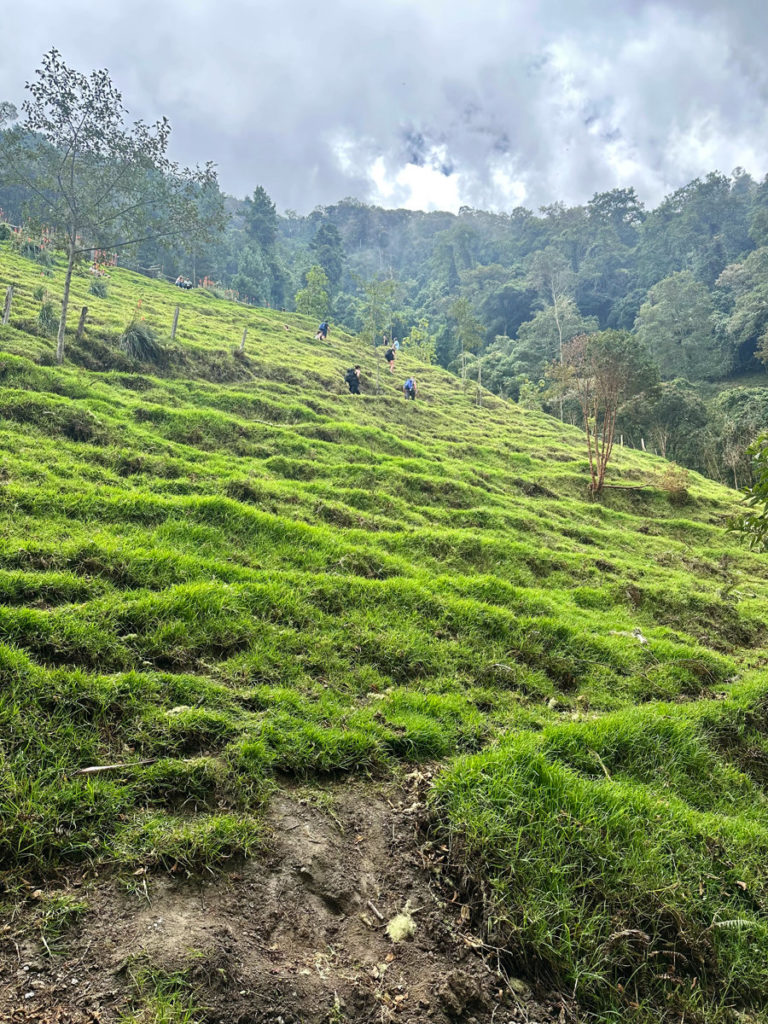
(89,178)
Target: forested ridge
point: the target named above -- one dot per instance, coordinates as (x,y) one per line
(488,294)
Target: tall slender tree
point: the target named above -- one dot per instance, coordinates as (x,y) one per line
(93,180)
(604,370)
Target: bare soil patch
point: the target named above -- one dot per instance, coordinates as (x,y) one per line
(298,936)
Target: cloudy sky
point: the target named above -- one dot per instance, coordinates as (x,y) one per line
(426,103)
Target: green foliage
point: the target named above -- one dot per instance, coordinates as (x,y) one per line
(675,419)
(328,251)
(571,837)
(604,369)
(539,341)
(99,288)
(675,324)
(90,179)
(376,308)
(753,525)
(139,341)
(261,218)
(740,415)
(48,317)
(746,286)
(419,338)
(313,299)
(252,280)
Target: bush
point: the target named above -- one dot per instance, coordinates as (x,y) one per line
(29,249)
(5,232)
(48,318)
(674,481)
(138,340)
(39,293)
(45,259)
(98,287)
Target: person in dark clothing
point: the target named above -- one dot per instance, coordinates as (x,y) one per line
(352,377)
(322,331)
(389,355)
(410,390)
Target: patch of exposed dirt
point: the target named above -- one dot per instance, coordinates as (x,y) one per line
(298,936)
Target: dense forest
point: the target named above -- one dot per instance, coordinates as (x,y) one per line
(494,296)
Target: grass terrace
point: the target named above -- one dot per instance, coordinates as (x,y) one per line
(224,571)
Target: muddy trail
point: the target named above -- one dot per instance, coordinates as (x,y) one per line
(346,918)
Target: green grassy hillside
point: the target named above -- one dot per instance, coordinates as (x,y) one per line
(230,568)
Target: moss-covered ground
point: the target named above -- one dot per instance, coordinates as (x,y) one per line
(227,570)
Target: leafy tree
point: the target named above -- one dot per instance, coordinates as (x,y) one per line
(419,337)
(604,369)
(500,368)
(252,280)
(740,415)
(444,267)
(542,339)
(313,298)
(753,524)
(501,297)
(620,210)
(676,420)
(90,179)
(675,324)
(376,309)
(328,252)
(702,226)
(469,331)
(746,287)
(8,113)
(261,218)
(553,277)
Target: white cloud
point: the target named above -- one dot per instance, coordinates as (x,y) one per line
(495,103)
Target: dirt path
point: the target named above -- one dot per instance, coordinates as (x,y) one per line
(297,937)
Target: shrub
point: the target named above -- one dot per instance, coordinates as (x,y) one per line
(29,249)
(5,232)
(39,293)
(98,287)
(47,318)
(674,481)
(138,340)
(45,259)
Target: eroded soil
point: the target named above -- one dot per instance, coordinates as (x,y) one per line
(298,936)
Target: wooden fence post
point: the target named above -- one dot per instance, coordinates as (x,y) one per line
(242,340)
(7,310)
(81,324)
(175,323)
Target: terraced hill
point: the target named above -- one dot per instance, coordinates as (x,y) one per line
(227,578)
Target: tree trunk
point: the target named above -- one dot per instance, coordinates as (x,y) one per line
(555,303)
(65,304)
(175,323)
(81,324)
(242,340)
